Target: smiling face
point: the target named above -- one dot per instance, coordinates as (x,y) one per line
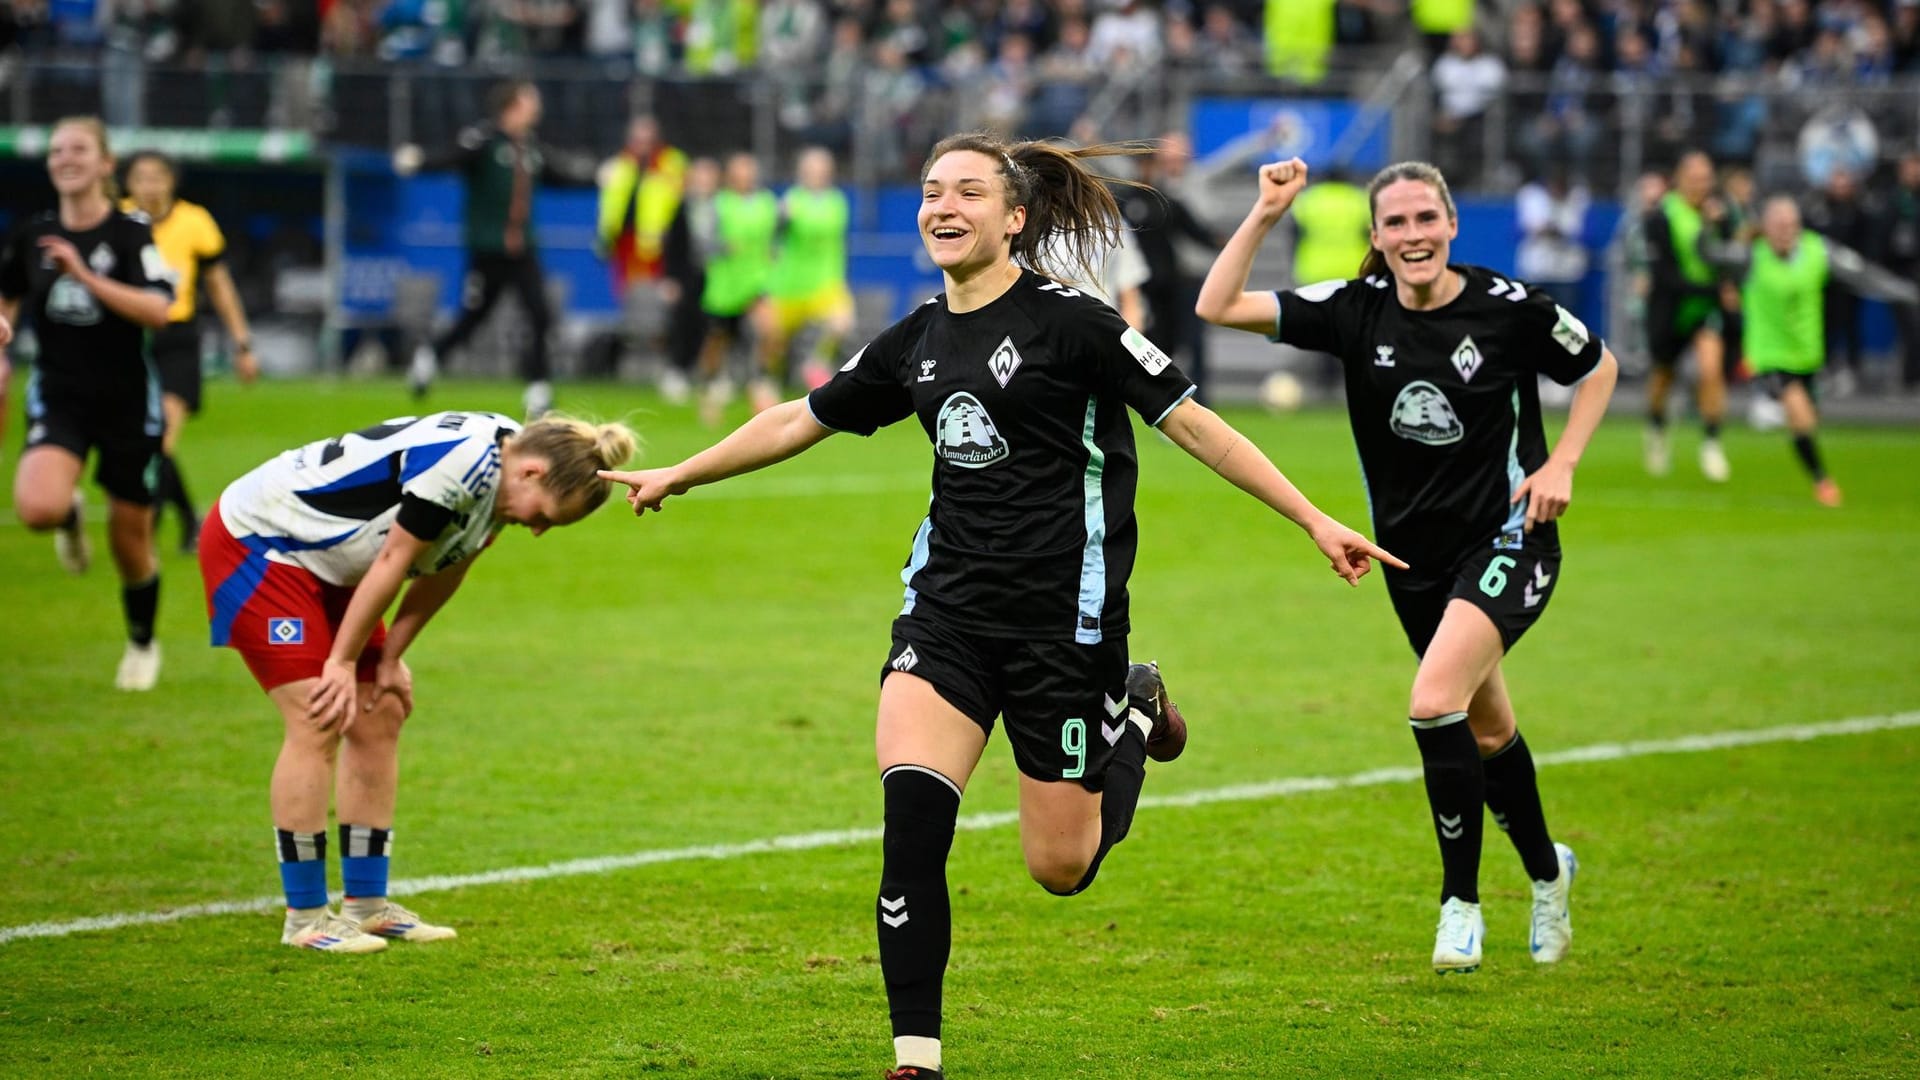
(525,499)
(1414,230)
(1693,179)
(965,221)
(76,162)
(1780,222)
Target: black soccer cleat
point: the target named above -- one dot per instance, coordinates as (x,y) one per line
(1148,693)
(913,1072)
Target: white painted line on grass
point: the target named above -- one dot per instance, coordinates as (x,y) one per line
(1273,789)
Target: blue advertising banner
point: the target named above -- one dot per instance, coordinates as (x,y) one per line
(1307,128)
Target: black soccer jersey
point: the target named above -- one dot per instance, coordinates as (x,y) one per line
(1031,531)
(1444,404)
(87,353)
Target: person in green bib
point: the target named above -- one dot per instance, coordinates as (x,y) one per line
(1683,310)
(1785,274)
(746,216)
(1333,226)
(808,284)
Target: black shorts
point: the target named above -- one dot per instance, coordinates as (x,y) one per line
(1670,330)
(176,357)
(1065,703)
(128,465)
(1775,383)
(1512,587)
(734,325)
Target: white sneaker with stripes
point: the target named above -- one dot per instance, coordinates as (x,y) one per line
(327,932)
(395,921)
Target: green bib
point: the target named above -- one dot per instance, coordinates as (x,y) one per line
(737,272)
(1334,220)
(813,250)
(1784,307)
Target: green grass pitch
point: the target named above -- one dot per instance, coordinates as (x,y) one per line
(708,677)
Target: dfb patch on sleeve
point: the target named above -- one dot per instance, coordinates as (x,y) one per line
(1570,332)
(1145,351)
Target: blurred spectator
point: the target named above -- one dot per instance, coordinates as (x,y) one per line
(1029,18)
(1358,22)
(1903,258)
(828,119)
(216,27)
(1841,212)
(423,29)
(1906,35)
(1630,270)
(25,25)
(1299,36)
(902,28)
(1567,129)
(639,196)
(1226,45)
(1001,107)
(1438,20)
(1124,37)
(1527,41)
(1553,253)
(656,37)
(720,35)
(1333,222)
(607,30)
(348,29)
(691,240)
(890,96)
(792,33)
(1066,77)
(1466,80)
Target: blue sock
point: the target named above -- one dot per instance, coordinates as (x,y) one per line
(303,867)
(363,860)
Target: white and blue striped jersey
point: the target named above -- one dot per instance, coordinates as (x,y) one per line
(327,507)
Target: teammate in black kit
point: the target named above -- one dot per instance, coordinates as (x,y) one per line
(93,284)
(1016,590)
(1440,365)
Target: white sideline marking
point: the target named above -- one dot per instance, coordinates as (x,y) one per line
(1685,744)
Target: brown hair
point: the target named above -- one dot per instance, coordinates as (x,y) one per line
(573,449)
(504,94)
(108,185)
(1062,196)
(1375,262)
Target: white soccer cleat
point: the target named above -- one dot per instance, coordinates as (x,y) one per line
(1552,910)
(328,932)
(139,667)
(1456,944)
(674,387)
(1655,453)
(1713,462)
(70,543)
(423,369)
(395,921)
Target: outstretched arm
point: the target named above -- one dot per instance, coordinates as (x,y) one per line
(773,436)
(1199,431)
(1871,280)
(1224,299)
(1550,489)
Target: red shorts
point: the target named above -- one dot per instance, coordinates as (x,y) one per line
(280,618)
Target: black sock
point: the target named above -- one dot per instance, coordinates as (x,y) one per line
(1126,772)
(173,490)
(1809,453)
(72,520)
(1712,428)
(1513,795)
(1657,420)
(913,915)
(1456,790)
(140,602)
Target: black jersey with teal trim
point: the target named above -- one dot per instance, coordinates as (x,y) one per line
(87,353)
(1031,532)
(1444,404)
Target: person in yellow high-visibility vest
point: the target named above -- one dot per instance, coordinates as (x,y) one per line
(639,195)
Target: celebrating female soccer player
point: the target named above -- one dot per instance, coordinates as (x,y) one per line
(191,244)
(93,285)
(1016,598)
(303,555)
(1440,370)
